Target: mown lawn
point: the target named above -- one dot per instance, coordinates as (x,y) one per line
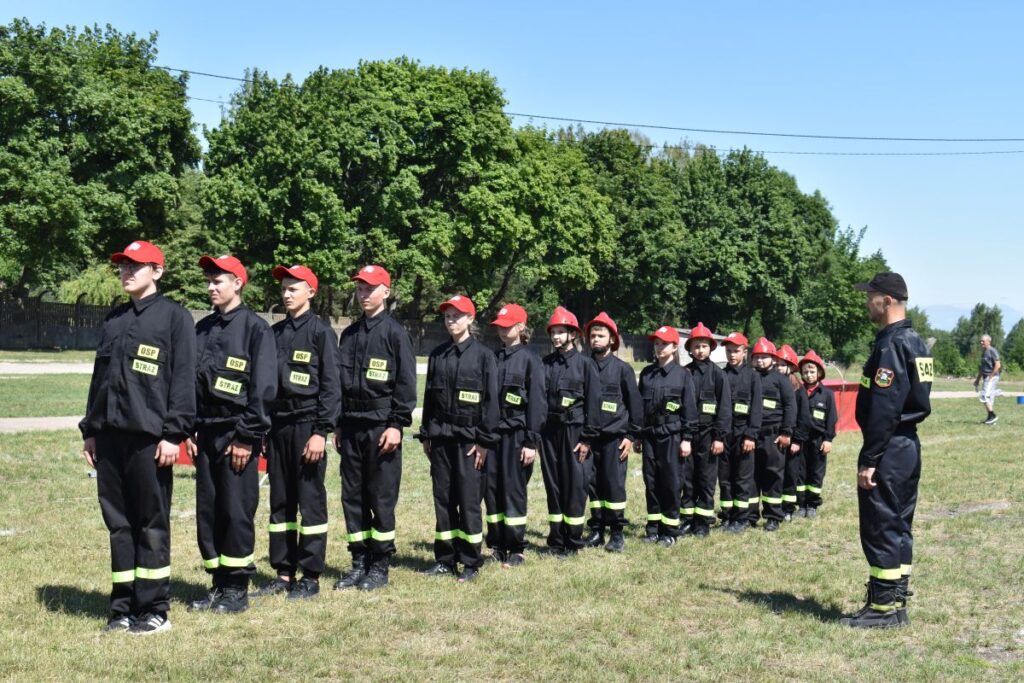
(48,356)
(754,607)
(43,395)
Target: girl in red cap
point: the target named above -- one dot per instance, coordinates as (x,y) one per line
(820,433)
(670,422)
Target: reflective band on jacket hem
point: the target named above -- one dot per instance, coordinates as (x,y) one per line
(357,536)
(212,564)
(654,517)
(703,512)
(278,527)
(668,521)
(905,569)
(152,574)
(382,535)
(458,533)
(126,576)
(788,498)
(554,519)
(813,489)
(228,561)
(887,574)
(574,521)
(313,530)
(768,499)
(883,608)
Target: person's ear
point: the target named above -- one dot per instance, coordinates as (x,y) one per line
(158,271)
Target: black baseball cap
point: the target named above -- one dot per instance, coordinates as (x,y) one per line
(892,284)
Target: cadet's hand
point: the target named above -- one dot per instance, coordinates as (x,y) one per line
(685,449)
(794,448)
(782,442)
(748,446)
(866,478)
(166,453)
(89,451)
(479,454)
(191,450)
(582,450)
(314,450)
(717,447)
(426,448)
(624,446)
(390,440)
(239,454)
(528,456)
(826,447)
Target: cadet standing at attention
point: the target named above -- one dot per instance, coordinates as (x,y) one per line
(736,465)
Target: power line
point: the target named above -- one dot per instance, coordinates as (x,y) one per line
(204,99)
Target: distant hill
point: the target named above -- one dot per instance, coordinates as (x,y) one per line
(943,317)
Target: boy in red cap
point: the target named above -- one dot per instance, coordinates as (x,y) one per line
(236,382)
(574,399)
(460,425)
(793,486)
(778,419)
(141,406)
(301,416)
(669,425)
(378,390)
(736,465)
(820,433)
(523,406)
(618,422)
(714,408)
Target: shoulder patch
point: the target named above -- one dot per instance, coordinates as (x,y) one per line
(884,378)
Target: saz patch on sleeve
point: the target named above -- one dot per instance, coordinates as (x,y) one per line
(884,378)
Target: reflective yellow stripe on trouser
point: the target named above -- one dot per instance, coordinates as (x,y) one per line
(788,498)
(382,535)
(813,489)
(905,569)
(771,501)
(607,505)
(278,527)
(555,518)
(458,533)
(357,536)
(313,530)
(574,521)
(704,512)
(153,574)
(127,576)
(887,574)
(228,561)
(654,516)
(595,505)
(726,504)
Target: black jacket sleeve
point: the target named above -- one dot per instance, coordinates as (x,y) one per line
(254,422)
(634,404)
(403,400)
(487,430)
(179,422)
(722,425)
(330,381)
(536,400)
(591,401)
(688,411)
(756,415)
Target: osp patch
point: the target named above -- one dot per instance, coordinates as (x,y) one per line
(884,378)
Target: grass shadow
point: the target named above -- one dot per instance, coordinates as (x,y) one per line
(781,602)
(74,600)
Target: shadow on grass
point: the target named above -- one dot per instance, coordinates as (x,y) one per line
(780,602)
(87,603)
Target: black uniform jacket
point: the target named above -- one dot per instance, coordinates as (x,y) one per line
(895,389)
(522,393)
(802,429)
(821,405)
(144,376)
(308,388)
(574,392)
(745,390)
(670,403)
(236,372)
(461,400)
(714,403)
(778,403)
(622,410)
(378,372)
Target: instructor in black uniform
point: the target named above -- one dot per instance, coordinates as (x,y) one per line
(893,398)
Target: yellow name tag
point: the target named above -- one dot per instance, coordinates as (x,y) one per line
(227,386)
(818,414)
(377,375)
(150,352)
(301,356)
(609,407)
(671,406)
(925,369)
(379,363)
(145,368)
(708,408)
(770,404)
(469,396)
(233,363)
(741,409)
(567,401)
(300,378)
(514,399)
(865,382)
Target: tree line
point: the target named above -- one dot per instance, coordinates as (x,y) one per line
(411,166)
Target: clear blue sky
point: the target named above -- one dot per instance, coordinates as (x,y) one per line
(950,224)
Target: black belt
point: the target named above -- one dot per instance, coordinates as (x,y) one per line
(458,420)
(293,405)
(662,420)
(364,406)
(509,413)
(566,414)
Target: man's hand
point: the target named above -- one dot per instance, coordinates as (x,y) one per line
(685,448)
(191,450)
(166,453)
(581,451)
(624,447)
(239,454)
(89,451)
(390,440)
(528,456)
(314,450)
(826,447)
(866,478)
(782,441)
(717,447)
(748,446)
(479,454)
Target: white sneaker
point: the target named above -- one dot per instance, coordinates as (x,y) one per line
(149,624)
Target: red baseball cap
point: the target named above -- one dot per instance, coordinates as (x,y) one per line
(665,333)
(140,252)
(373,275)
(299,273)
(459,303)
(736,338)
(509,315)
(228,264)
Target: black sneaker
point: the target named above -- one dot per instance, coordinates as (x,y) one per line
(118,622)
(992,420)
(305,588)
(148,624)
(205,603)
(514,560)
(650,537)
(595,539)
(275,587)
(617,542)
(440,569)
(468,574)
(232,601)
(771,525)
(666,541)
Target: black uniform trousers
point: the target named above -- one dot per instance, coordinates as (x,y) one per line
(370,483)
(887,511)
(662,483)
(505,493)
(457,484)
(226,503)
(135,499)
(815,463)
(793,484)
(296,489)
(736,479)
(769,466)
(699,475)
(607,488)
(566,482)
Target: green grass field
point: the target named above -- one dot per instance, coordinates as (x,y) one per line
(753,607)
(43,395)
(48,356)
